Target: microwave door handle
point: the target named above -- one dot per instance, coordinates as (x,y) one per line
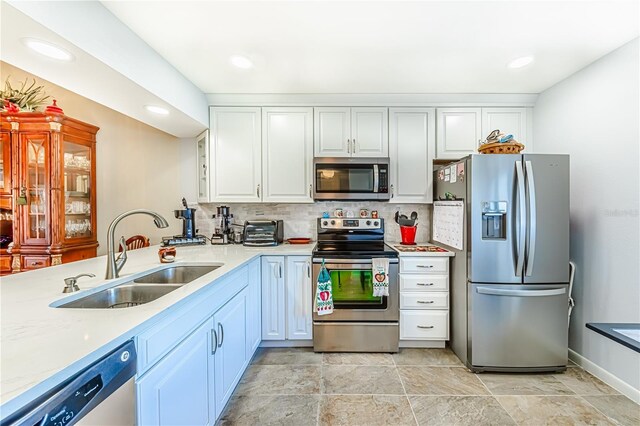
(523,218)
(376,178)
(532,223)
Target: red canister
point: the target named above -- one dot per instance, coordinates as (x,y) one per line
(408,234)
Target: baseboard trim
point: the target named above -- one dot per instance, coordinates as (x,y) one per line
(286,343)
(422,343)
(602,374)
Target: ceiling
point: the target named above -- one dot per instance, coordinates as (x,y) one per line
(379,46)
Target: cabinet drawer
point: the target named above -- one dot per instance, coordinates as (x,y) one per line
(424,300)
(424,282)
(35,262)
(424,325)
(425,265)
(5,263)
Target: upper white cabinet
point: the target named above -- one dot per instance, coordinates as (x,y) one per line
(287,155)
(202,154)
(459,130)
(351,132)
(235,154)
(411,151)
(510,121)
(299,298)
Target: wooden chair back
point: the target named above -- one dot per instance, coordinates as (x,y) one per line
(137,242)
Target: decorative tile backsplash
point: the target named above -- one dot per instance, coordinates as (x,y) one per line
(300,219)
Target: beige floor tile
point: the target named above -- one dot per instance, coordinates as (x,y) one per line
(283,356)
(358,379)
(444,356)
(346,358)
(459,410)
(584,383)
(552,410)
(524,384)
(369,410)
(293,410)
(618,407)
(440,381)
(280,379)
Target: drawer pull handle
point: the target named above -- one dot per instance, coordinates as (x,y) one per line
(214,341)
(426,302)
(425,326)
(425,266)
(425,284)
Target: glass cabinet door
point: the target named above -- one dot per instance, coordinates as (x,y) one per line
(36,185)
(76,181)
(5,163)
(203,164)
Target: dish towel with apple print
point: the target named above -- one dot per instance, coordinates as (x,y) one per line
(324,295)
(379,269)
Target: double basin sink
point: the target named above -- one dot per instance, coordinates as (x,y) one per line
(143,289)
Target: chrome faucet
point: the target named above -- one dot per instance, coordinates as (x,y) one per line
(70,283)
(115,264)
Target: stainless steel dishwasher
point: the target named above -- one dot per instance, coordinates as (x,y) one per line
(73,399)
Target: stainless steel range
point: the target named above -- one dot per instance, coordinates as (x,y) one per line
(360,321)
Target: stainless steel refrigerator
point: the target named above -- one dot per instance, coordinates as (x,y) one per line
(510,279)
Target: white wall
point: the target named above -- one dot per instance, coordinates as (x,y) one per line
(136,165)
(593,115)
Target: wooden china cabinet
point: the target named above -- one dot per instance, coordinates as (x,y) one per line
(50,198)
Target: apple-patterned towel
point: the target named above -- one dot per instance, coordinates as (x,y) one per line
(324,297)
(379,269)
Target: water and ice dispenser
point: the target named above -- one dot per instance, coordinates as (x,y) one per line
(494,220)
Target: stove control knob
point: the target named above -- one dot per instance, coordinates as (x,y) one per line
(368,223)
(333,222)
(325,223)
(376,223)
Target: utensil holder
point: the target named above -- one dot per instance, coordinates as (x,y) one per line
(408,234)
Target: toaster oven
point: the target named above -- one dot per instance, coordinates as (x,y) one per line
(258,233)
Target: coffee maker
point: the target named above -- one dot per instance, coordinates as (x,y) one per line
(189,232)
(222,232)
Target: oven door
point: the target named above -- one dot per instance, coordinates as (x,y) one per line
(340,179)
(352,290)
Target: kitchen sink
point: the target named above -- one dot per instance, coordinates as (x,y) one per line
(176,274)
(122,296)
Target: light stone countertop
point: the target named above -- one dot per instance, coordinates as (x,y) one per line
(41,346)
(447,253)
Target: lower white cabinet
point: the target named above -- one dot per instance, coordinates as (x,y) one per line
(254,308)
(183,378)
(286,298)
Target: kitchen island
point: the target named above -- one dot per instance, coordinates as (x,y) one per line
(42,346)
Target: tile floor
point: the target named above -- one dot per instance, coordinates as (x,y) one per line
(295,386)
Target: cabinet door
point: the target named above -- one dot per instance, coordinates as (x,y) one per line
(411,151)
(299,299)
(236,154)
(35,179)
(184,378)
(273,298)
(510,121)
(369,132)
(230,323)
(254,311)
(332,132)
(459,130)
(287,155)
(5,163)
(202,148)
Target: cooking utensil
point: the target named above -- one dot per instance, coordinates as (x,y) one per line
(406,221)
(396,217)
(414,215)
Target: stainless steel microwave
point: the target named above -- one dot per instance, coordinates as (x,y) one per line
(351,179)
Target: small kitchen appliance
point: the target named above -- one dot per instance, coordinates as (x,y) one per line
(222,233)
(360,322)
(189,232)
(510,274)
(351,179)
(259,233)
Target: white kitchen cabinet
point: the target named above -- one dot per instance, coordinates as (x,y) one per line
(184,378)
(512,121)
(299,298)
(235,150)
(230,361)
(459,130)
(202,153)
(287,155)
(351,132)
(254,309)
(273,298)
(411,152)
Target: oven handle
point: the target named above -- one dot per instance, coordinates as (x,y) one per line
(354,262)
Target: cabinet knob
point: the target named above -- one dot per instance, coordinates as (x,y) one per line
(258,190)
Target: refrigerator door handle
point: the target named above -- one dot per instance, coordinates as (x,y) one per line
(521,293)
(532,223)
(523,219)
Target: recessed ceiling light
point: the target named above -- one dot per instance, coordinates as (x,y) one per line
(47,49)
(157,110)
(520,62)
(241,62)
